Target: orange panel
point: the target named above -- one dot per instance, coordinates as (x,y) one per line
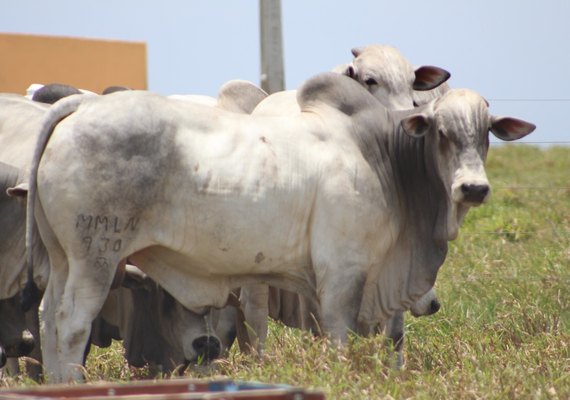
(84,63)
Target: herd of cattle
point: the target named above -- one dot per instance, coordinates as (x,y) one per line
(176,223)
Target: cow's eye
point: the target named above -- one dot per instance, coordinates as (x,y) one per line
(371,81)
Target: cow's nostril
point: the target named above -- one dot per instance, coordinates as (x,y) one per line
(434,306)
(208,347)
(474,193)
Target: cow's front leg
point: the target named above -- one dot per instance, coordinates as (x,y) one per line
(340,297)
(395,332)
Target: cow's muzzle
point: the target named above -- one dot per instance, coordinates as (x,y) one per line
(475,193)
(431,309)
(207,347)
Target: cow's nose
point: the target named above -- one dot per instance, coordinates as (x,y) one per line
(207,346)
(3,357)
(434,307)
(473,193)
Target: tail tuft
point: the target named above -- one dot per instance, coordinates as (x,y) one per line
(30,295)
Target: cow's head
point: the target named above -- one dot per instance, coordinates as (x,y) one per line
(385,73)
(190,333)
(457,129)
(162,330)
(15,339)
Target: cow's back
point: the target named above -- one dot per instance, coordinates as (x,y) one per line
(20,122)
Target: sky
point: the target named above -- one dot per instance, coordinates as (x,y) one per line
(513,52)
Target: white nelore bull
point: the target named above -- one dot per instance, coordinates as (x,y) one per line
(382,70)
(20,122)
(346,202)
(392,80)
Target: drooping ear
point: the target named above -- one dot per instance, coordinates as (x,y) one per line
(356,51)
(508,128)
(20,190)
(416,125)
(429,77)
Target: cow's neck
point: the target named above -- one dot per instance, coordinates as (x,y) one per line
(408,172)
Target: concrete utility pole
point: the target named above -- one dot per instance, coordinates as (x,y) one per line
(272,70)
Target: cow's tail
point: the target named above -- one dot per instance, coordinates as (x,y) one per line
(59,111)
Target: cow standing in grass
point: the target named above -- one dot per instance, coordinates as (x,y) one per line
(347,203)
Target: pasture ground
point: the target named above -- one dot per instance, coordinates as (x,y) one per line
(504,328)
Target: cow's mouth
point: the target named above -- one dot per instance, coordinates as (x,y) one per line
(207,349)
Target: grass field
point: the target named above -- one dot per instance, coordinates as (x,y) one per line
(504,328)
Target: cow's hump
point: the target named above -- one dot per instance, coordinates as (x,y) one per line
(337,91)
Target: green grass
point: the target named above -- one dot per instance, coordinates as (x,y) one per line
(504,328)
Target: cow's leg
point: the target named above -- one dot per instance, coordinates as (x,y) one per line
(395,332)
(255,302)
(52,297)
(308,316)
(86,289)
(340,297)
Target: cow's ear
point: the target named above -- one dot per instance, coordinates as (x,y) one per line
(344,69)
(429,77)
(508,128)
(356,51)
(21,190)
(416,125)
(134,278)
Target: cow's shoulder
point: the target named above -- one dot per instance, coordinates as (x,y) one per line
(336,91)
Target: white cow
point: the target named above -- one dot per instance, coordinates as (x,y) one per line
(332,202)
(391,79)
(20,120)
(382,70)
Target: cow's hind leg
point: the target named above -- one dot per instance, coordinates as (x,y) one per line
(254,299)
(88,284)
(52,297)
